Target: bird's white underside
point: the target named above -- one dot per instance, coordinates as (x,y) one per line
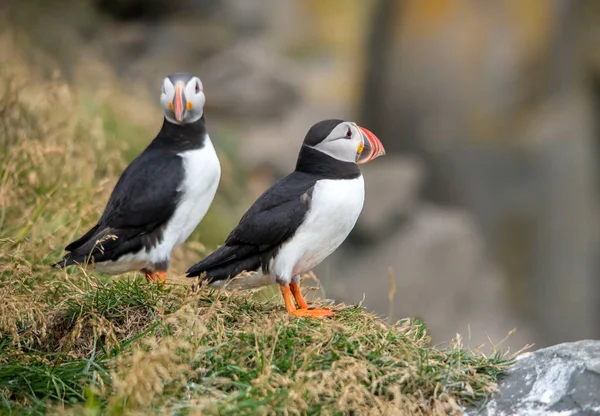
(335,208)
(202,175)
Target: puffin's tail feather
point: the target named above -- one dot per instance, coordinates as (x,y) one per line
(231,270)
(76,248)
(103,245)
(68,260)
(83,239)
(226,262)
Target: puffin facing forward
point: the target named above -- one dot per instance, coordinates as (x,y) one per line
(161,196)
(300,220)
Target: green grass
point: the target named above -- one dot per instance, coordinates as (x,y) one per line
(77,342)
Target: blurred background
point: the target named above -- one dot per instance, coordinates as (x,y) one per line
(483,216)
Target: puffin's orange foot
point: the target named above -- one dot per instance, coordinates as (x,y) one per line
(286,291)
(315,313)
(158,277)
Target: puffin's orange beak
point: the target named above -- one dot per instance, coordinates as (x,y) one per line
(371,147)
(178,102)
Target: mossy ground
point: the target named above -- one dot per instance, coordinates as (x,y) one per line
(78,342)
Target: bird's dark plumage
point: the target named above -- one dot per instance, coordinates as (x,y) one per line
(143,200)
(319,131)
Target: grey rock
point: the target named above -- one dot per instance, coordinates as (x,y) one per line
(251,84)
(559,380)
(276,142)
(404,175)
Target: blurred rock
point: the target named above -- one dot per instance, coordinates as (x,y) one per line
(275,144)
(244,77)
(139,9)
(146,52)
(562,380)
(441,275)
(159,10)
(249,82)
(392,193)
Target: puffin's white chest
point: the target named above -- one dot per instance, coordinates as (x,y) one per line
(334,210)
(202,173)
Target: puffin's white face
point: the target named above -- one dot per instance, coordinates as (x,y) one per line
(182,98)
(350,143)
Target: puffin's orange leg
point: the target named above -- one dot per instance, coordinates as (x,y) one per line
(158,276)
(300,301)
(161,276)
(289,305)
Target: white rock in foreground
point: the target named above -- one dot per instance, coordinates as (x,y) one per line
(562,380)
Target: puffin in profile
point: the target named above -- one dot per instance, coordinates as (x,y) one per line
(161,196)
(301,219)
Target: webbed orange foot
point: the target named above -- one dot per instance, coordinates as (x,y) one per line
(287,292)
(315,313)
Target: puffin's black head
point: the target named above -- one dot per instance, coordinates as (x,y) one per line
(182,98)
(344,140)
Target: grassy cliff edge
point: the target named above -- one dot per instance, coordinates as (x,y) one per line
(76,342)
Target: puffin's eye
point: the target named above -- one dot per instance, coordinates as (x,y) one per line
(349,133)
(197,87)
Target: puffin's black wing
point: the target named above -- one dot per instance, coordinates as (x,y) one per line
(143,200)
(270,221)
